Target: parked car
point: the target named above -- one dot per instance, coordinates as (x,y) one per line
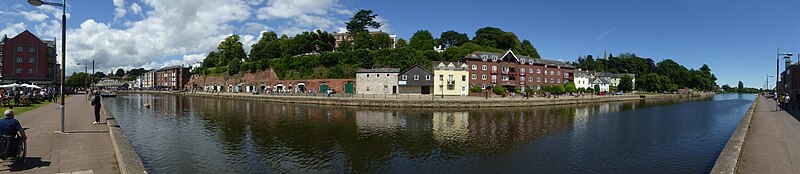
(601,93)
(618,93)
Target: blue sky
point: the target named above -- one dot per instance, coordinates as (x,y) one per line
(737,39)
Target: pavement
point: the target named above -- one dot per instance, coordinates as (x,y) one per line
(85,147)
(773,142)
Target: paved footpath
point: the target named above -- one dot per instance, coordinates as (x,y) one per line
(85,148)
(773,142)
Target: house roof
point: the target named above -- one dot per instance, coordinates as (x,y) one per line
(601,80)
(171,67)
(379,70)
(447,65)
(415,66)
(520,58)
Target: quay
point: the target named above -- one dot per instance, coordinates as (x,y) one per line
(426,101)
(83,148)
(766,141)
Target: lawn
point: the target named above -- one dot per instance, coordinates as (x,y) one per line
(22,109)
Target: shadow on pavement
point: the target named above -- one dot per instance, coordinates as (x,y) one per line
(88,132)
(30,163)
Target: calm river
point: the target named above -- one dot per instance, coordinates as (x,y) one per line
(204,135)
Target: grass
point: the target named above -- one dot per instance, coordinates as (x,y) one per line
(22,109)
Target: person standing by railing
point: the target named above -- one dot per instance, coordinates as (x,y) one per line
(97,104)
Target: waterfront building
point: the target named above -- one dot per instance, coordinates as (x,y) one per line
(27,58)
(172,77)
(602,83)
(585,79)
(149,79)
(377,81)
(451,78)
(415,80)
(487,69)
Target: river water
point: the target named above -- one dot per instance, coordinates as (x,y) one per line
(179,134)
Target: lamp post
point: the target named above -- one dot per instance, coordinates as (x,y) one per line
(778,75)
(63,6)
(85,71)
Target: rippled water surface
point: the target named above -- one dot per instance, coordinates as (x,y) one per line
(203,135)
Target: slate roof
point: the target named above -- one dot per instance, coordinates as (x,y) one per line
(379,70)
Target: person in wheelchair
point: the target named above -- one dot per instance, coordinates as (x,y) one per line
(9,127)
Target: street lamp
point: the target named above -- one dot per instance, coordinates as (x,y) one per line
(63,6)
(778,74)
(85,71)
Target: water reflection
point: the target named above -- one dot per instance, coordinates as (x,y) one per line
(191,134)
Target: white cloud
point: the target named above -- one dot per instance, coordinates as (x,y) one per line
(119,10)
(172,27)
(385,26)
(13,29)
(254,28)
(33,16)
(136,8)
(293,8)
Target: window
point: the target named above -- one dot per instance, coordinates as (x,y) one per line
(538,71)
(441,77)
(494,68)
(504,78)
(483,67)
(19,49)
(552,73)
(474,77)
(530,70)
(484,57)
(538,79)
(558,80)
(31,60)
(483,77)
(30,70)
(530,79)
(404,77)
(416,77)
(494,77)
(545,80)
(367,75)
(474,67)
(463,78)
(566,75)
(387,75)
(450,78)
(378,75)
(551,80)
(19,70)
(522,70)
(32,49)
(559,72)
(427,77)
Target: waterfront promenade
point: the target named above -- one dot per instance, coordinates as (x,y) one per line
(773,141)
(85,148)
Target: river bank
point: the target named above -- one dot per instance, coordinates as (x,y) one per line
(427,101)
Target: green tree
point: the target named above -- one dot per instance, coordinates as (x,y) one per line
(422,40)
(488,36)
(382,40)
(626,83)
(499,90)
(211,60)
(401,43)
(528,49)
(345,45)
(596,88)
(362,40)
(267,47)
(233,67)
(570,87)
(741,86)
(452,38)
(230,50)
(559,89)
(120,72)
(361,20)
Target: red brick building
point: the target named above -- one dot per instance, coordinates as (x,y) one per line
(516,72)
(172,77)
(27,58)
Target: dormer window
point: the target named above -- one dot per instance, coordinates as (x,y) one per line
(484,57)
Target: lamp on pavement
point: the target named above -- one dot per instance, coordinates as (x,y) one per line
(63,46)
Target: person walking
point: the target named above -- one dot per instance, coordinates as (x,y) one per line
(96,103)
(786,103)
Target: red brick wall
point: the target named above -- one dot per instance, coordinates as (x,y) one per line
(26,40)
(267,78)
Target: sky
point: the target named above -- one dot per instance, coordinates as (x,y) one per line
(738,39)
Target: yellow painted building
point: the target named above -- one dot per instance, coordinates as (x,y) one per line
(450,78)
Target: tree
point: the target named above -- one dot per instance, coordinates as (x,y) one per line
(422,40)
(488,36)
(362,40)
(361,20)
(452,38)
(345,45)
(120,72)
(266,48)
(233,67)
(559,89)
(230,49)
(741,86)
(401,43)
(626,83)
(528,49)
(570,87)
(499,90)
(382,40)
(596,88)
(211,60)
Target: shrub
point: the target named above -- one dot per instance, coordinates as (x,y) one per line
(499,90)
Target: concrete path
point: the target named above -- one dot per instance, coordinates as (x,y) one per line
(773,142)
(85,148)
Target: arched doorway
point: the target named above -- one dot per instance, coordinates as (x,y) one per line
(279,88)
(323,88)
(301,87)
(349,88)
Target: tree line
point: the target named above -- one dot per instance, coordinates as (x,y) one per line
(314,54)
(666,75)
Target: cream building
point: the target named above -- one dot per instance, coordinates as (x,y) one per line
(377,81)
(450,78)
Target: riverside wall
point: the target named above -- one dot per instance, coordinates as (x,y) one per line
(427,101)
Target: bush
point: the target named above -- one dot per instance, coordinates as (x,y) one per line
(499,90)
(475,89)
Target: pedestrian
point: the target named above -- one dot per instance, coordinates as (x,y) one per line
(96,103)
(781,98)
(786,102)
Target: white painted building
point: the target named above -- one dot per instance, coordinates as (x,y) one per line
(587,79)
(149,79)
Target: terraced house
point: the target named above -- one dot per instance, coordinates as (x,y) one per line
(513,72)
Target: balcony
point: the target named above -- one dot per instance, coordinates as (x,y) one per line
(451,82)
(494,72)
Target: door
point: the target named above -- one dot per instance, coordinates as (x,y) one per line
(323,88)
(426,90)
(463,90)
(348,88)
(394,89)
